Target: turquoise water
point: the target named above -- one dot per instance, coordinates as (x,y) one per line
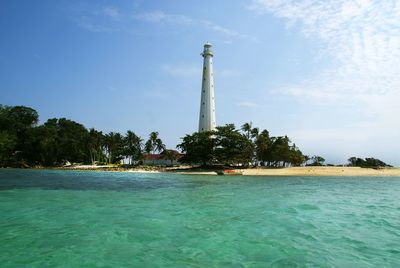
(105,219)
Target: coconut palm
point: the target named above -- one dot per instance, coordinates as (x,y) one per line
(154,143)
(247,128)
(133,146)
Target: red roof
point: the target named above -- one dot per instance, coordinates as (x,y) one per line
(152,156)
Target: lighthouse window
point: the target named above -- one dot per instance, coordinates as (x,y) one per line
(202,115)
(204,103)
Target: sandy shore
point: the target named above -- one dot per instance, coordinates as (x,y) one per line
(139,169)
(324,171)
(310,171)
(292,171)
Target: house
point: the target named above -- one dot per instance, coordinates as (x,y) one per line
(166,158)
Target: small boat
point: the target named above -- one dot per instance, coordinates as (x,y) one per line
(228,172)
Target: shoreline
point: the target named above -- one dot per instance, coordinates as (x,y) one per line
(309,171)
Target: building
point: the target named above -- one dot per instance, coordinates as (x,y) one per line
(207,120)
(166,158)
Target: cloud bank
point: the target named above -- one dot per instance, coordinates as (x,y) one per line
(362,37)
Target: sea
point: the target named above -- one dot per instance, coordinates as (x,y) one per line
(54,218)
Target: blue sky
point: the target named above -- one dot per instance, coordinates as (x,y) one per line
(326,73)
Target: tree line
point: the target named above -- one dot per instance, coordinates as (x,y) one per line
(246,146)
(25,143)
(368,162)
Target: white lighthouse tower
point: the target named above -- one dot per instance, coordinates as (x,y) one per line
(207,120)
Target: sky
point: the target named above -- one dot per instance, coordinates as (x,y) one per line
(324,72)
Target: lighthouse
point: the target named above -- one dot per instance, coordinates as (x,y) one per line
(207,120)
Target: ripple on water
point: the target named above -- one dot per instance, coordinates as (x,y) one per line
(138,220)
(305,207)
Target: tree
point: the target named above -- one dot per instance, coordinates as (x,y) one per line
(279,153)
(16,121)
(317,160)
(154,143)
(95,144)
(352,161)
(114,147)
(72,138)
(247,129)
(306,159)
(296,156)
(133,146)
(42,145)
(368,162)
(170,155)
(263,143)
(199,148)
(7,144)
(232,147)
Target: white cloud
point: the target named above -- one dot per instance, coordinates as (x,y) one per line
(110,19)
(362,36)
(181,70)
(112,12)
(162,17)
(90,24)
(363,39)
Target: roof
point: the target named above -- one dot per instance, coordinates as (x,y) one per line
(152,156)
(162,155)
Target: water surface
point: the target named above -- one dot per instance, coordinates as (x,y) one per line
(114,219)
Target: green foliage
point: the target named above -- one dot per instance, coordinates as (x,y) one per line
(57,141)
(227,145)
(232,147)
(8,142)
(114,147)
(15,122)
(60,140)
(198,148)
(95,144)
(368,162)
(154,143)
(133,145)
(317,161)
(171,155)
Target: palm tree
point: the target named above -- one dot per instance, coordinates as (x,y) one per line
(306,159)
(114,147)
(133,146)
(318,160)
(95,145)
(154,143)
(254,132)
(247,128)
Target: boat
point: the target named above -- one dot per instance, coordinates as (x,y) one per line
(229,172)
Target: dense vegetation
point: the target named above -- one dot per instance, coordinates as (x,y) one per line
(25,143)
(367,162)
(230,146)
